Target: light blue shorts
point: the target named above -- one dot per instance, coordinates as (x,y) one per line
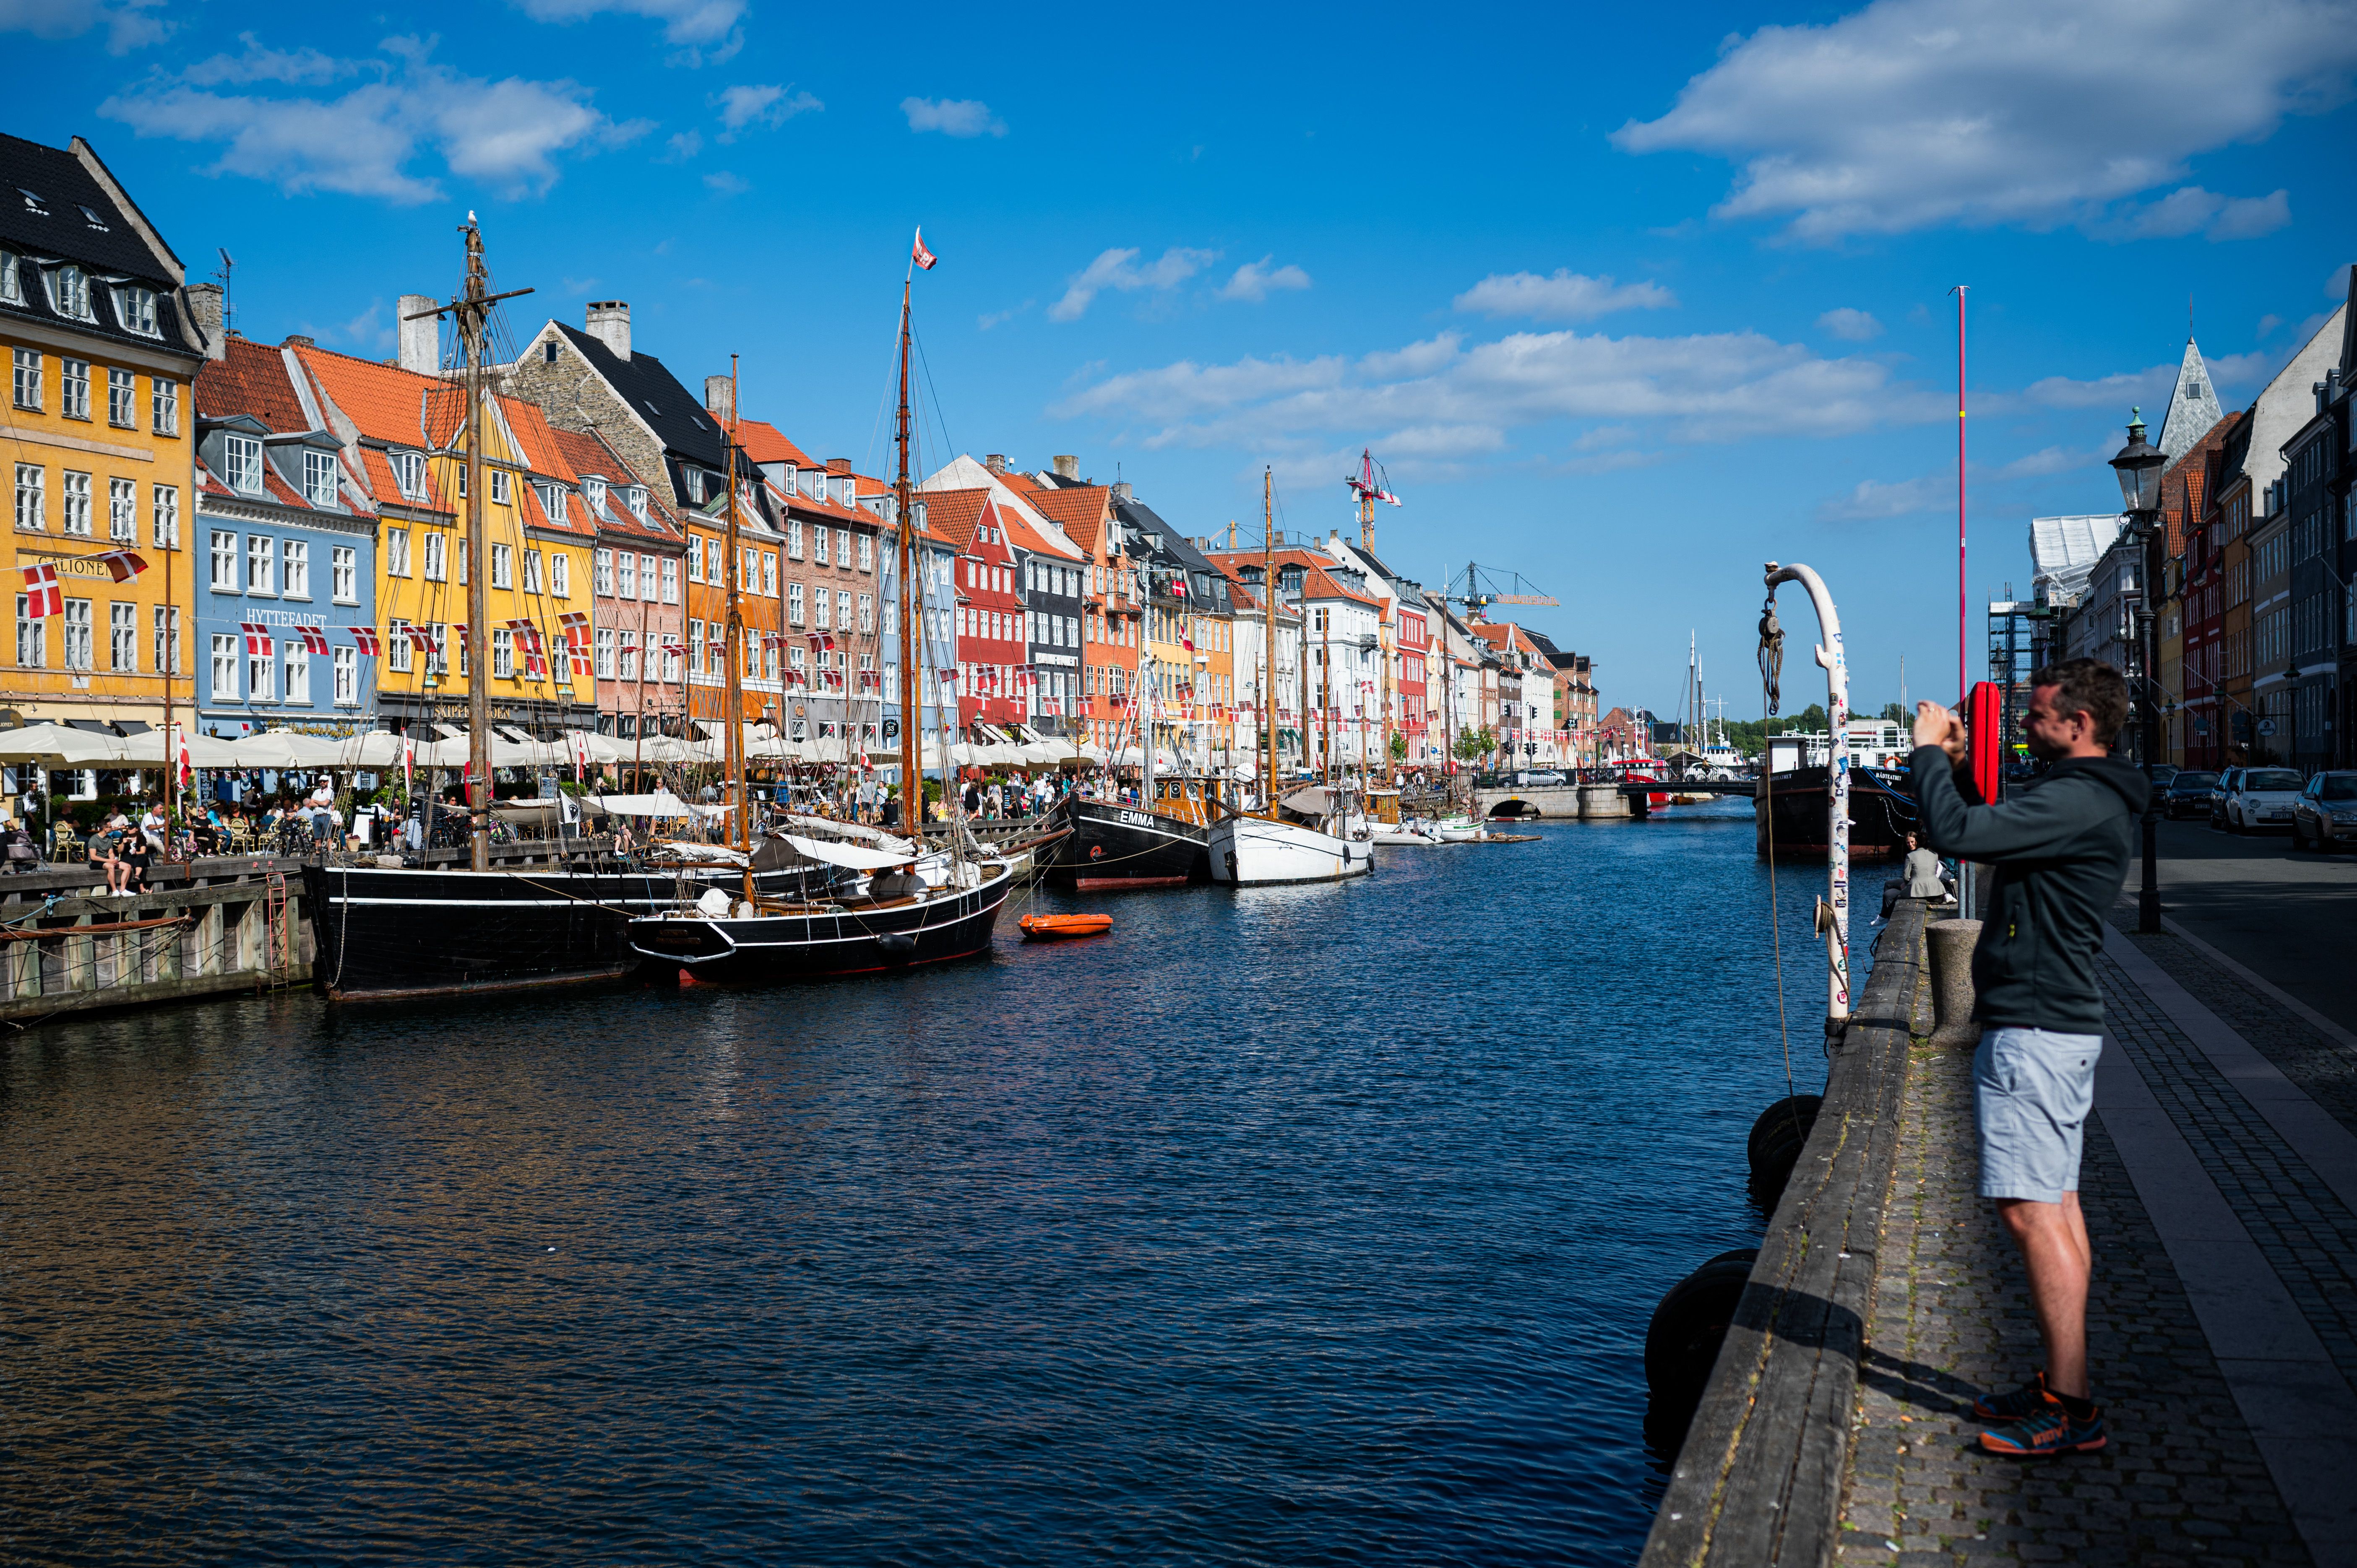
(2032,1091)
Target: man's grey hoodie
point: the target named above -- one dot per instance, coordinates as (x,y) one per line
(2059,849)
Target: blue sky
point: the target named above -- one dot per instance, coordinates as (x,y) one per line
(1628,300)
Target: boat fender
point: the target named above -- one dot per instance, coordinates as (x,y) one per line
(899,947)
(1775,1144)
(1682,1340)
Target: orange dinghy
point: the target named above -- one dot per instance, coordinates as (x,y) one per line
(1057,927)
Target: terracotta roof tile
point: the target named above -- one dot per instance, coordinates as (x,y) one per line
(250,378)
(955,514)
(764,443)
(1080,512)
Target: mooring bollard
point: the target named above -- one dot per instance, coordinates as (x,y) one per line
(1951,943)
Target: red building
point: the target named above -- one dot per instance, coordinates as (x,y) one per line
(991,635)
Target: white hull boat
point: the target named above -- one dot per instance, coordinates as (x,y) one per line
(1405,834)
(1460,830)
(1253,852)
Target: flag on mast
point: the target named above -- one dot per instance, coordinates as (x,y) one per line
(919,254)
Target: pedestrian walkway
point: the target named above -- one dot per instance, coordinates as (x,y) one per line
(2221,1199)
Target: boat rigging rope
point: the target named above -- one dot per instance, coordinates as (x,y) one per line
(1771,667)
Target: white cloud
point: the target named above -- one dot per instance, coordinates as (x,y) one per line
(952,116)
(1118,269)
(1874,501)
(1711,387)
(772,105)
(2337,285)
(303,67)
(1565,296)
(2055,460)
(2040,112)
(2254,369)
(504,133)
(2122,388)
(1255,280)
(684,21)
(1850,326)
(129,24)
(728,183)
(1000,317)
(2193,211)
(682,145)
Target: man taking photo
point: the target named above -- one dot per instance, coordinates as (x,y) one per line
(2059,853)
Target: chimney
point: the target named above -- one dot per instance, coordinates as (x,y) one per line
(609,323)
(297,340)
(1121,490)
(838,465)
(205,311)
(720,398)
(995,462)
(420,340)
(1067,466)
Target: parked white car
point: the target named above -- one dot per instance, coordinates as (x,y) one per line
(2260,800)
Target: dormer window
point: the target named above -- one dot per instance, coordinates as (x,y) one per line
(552,498)
(69,292)
(594,492)
(12,281)
(96,221)
(33,203)
(242,463)
(135,309)
(320,479)
(635,497)
(409,473)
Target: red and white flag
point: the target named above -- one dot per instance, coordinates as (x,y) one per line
(180,755)
(919,254)
(122,564)
(364,639)
(258,640)
(677,650)
(535,668)
(527,636)
(421,637)
(315,639)
(576,628)
(408,756)
(579,742)
(43,598)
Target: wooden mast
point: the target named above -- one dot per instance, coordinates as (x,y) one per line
(1268,616)
(473,315)
(912,783)
(732,708)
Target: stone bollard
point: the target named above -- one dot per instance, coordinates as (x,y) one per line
(1951,943)
(1602,801)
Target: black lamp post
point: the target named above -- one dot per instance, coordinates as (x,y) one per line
(2139,467)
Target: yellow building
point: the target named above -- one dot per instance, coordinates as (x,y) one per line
(101,354)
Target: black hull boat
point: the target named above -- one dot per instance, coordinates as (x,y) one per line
(1881,814)
(853,936)
(1116,846)
(382,934)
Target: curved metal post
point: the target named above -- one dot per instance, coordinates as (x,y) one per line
(1833,912)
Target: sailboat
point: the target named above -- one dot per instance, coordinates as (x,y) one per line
(1300,837)
(914,903)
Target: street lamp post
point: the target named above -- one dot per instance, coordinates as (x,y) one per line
(2139,467)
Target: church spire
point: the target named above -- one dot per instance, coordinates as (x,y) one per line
(2192,406)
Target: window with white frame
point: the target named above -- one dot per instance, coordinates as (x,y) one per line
(261,677)
(502,653)
(73,388)
(224,671)
(163,406)
(604,644)
(502,567)
(69,292)
(671,662)
(868,612)
(670,580)
(344,574)
(560,575)
(121,399)
(793,539)
(32,497)
(818,544)
(73,504)
(398,649)
(626,574)
(842,547)
(532,573)
(502,491)
(601,573)
(694,561)
(552,501)
(843,609)
(242,463)
(165,622)
(224,556)
(31,651)
(768,574)
(629,649)
(12,278)
(78,637)
(712,561)
(594,492)
(135,309)
(436,566)
(25,378)
(164,516)
(695,647)
(821,610)
(122,510)
(261,564)
(298,670)
(647,574)
(295,569)
(347,676)
(635,497)
(320,475)
(397,552)
(867,552)
(123,638)
(409,473)
(794,603)
(458,557)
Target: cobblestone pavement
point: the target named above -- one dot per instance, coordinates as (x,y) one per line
(2181,1482)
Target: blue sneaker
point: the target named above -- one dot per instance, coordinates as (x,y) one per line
(2046,1432)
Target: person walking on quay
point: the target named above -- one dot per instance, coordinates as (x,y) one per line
(2058,851)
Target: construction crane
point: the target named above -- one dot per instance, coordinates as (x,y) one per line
(1479,588)
(1368,486)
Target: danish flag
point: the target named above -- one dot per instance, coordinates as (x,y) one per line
(408,754)
(421,637)
(121,565)
(315,639)
(535,668)
(257,638)
(527,636)
(576,628)
(181,754)
(677,650)
(364,639)
(42,594)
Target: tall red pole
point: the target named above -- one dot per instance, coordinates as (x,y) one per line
(1963,599)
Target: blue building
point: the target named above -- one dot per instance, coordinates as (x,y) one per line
(284,547)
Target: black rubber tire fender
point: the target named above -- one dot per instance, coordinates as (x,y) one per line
(1690,1323)
(1780,1134)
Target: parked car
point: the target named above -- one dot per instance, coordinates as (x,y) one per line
(2218,793)
(2187,794)
(2325,815)
(1530,777)
(2260,800)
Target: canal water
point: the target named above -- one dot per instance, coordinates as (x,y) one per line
(1301,1225)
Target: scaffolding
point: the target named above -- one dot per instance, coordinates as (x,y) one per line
(2018,639)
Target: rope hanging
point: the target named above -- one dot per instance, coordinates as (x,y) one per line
(1771,652)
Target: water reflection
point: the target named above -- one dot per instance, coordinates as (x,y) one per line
(1307,1223)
